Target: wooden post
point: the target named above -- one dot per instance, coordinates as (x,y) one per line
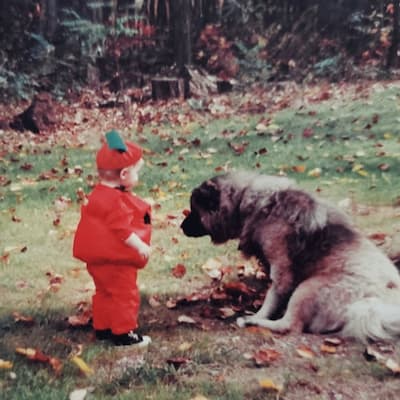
(392,53)
(182,32)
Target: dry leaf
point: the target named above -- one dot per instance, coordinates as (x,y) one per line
(269,384)
(265,356)
(257,330)
(171,303)
(299,168)
(179,271)
(332,341)
(226,312)
(56,364)
(315,173)
(5,364)
(32,354)
(184,319)
(79,320)
(78,394)
(82,365)
(154,302)
(185,346)
(177,362)
(22,318)
(212,268)
(199,397)
(328,349)
(305,352)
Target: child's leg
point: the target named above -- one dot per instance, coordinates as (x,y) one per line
(101,300)
(125,299)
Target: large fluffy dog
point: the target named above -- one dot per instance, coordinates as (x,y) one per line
(326,276)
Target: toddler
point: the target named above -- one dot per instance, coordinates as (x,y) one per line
(113,239)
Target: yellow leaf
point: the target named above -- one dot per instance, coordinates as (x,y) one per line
(269,384)
(26,352)
(315,173)
(359,169)
(328,349)
(387,135)
(5,364)
(185,346)
(199,397)
(82,365)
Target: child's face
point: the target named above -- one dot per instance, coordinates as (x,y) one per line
(129,176)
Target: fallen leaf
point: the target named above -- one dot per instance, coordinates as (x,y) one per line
(264,357)
(78,394)
(83,367)
(154,302)
(32,354)
(179,271)
(259,331)
(333,341)
(56,364)
(199,397)
(315,173)
(308,132)
(305,352)
(328,349)
(212,268)
(384,167)
(185,346)
(299,168)
(82,319)
(269,384)
(171,303)
(5,364)
(177,362)
(22,318)
(226,312)
(184,319)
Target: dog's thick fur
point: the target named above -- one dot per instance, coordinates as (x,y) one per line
(326,276)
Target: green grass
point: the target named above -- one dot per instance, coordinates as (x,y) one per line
(358,156)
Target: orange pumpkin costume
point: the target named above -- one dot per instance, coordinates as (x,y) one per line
(107,220)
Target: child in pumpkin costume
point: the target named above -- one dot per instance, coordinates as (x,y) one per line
(113,239)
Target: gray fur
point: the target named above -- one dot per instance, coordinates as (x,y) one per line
(325,274)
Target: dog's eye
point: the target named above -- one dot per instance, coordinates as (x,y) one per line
(207,197)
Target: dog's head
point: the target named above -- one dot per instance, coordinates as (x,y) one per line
(213,211)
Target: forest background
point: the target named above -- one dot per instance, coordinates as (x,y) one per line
(308,89)
(62,45)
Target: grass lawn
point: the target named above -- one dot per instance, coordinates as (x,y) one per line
(339,141)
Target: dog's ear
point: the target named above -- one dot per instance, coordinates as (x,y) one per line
(207,196)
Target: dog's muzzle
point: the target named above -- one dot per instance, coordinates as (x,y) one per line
(192,226)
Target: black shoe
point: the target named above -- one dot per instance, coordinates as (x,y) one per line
(103,334)
(131,339)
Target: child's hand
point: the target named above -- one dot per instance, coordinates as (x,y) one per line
(143,249)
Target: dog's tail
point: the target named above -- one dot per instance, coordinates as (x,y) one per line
(371,319)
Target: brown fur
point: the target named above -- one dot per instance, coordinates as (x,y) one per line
(325,274)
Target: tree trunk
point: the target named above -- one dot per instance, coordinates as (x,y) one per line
(392,53)
(51,18)
(181,19)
